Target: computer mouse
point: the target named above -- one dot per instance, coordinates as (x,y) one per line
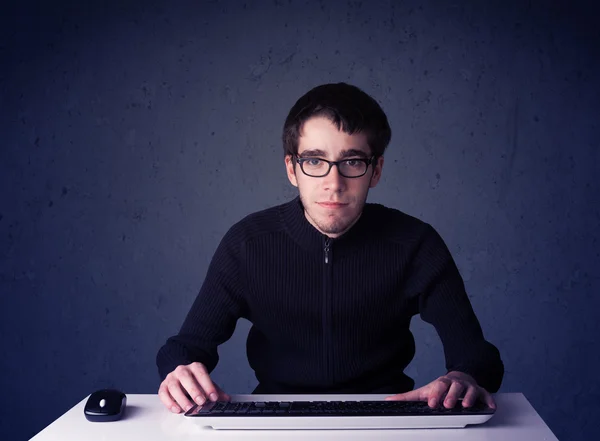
(105,405)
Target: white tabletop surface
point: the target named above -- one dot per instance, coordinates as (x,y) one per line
(147,419)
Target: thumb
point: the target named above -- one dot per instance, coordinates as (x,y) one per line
(222,395)
(413,395)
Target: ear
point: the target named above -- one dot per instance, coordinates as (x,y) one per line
(377,168)
(289,168)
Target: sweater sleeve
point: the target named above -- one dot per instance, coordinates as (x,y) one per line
(213,315)
(438,288)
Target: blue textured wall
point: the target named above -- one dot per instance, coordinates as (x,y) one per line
(134,135)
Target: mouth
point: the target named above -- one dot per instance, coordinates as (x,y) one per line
(331,204)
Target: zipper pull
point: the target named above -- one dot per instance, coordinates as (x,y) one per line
(327,243)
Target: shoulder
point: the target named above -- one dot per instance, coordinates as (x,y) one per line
(395,225)
(266,221)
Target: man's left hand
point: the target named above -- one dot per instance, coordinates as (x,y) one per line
(449,388)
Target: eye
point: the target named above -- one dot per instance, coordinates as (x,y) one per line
(354,163)
(313,162)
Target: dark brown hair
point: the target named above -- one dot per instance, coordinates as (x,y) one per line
(347,107)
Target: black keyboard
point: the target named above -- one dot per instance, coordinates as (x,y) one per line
(332,409)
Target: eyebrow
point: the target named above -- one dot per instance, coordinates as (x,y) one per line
(344,153)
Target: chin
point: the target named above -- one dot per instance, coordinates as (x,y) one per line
(335,227)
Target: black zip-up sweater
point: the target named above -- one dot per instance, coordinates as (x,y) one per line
(333,315)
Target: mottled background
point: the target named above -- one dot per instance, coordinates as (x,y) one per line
(134,134)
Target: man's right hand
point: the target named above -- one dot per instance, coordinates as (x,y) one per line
(187,381)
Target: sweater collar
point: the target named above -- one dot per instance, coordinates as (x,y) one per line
(311,239)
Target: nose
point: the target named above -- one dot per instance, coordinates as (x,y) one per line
(334,182)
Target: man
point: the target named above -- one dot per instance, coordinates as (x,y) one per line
(329,282)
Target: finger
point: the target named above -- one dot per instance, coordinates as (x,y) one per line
(178,394)
(223,396)
(470,396)
(413,395)
(190,384)
(488,399)
(437,391)
(201,376)
(167,399)
(454,393)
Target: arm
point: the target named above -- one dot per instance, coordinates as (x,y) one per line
(437,287)
(213,315)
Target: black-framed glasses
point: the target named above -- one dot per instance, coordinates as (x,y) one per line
(348,168)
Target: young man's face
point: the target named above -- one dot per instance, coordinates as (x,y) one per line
(332,203)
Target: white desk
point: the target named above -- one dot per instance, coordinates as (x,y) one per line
(147,419)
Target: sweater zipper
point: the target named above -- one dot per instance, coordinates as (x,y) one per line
(327,311)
